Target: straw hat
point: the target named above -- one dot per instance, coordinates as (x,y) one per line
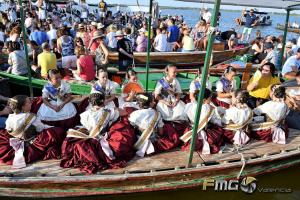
(289,45)
(142,30)
(98,34)
(112,28)
(81,26)
(100,25)
(94,24)
(119,33)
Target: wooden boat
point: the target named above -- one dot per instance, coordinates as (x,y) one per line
(294,30)
(164,171)
(189,59)
(76,88)
(185,76)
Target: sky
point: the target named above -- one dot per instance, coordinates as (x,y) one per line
(174,3)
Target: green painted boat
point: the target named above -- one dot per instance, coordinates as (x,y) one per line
(81,88)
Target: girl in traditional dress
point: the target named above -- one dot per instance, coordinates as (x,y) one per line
(276,110)
(91,147)
(167,93)
(57,108)
(105,86)
(209,137)
(236,119)
(224,87)
(127,99)
(148,121)
(195,87)
(26,139)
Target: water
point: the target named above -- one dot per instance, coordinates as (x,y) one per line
(191,16)
(228,17)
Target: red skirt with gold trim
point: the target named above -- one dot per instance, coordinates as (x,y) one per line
(46,145)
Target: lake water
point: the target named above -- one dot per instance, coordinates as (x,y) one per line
(191,16)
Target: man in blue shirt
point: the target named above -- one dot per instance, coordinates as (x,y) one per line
(173,34)
(291,66)
(250,22)
(38,36)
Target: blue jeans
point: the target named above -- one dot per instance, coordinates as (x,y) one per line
(124,64)
(2,122)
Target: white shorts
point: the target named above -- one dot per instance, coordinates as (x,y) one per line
(69,62)
(247,30)
(102,14)
(170,46)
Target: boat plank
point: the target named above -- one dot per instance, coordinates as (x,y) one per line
(160,162)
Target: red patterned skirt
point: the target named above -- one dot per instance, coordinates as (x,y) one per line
(88,155)
(266,134)
(220,103)
(214,138)
(171,136)
(46,145)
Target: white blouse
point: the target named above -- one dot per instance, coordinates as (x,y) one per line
(175,85)
(143,118)
(63,89)
(110,87)
(14,121)
(190,112)
(90,118)
(236,115)
(275,110)
(194,88)
(219,88)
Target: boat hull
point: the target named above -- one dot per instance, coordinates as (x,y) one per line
(294,30)
(164,171)
(189,59)
(143,181)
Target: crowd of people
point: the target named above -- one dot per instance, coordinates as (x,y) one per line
(106,130)
(68,40)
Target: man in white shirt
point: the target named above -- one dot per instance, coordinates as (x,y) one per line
(272,56)
(51,34)
(160,42)
(291,66)
(206,15)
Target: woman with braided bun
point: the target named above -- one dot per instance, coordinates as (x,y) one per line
(101,141)
(235,120)
(273,128)
(25,138)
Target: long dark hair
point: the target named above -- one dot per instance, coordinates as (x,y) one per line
(16,103)
(97,99)
(272,68)
(242,96)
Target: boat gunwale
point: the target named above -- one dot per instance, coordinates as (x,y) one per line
(160,54)
(152,174)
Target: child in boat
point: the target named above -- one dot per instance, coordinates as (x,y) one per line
(209,137)
(276,110)
(57,108)
(224,87)
(105,86)
(148,121)
(91,147)
(195,87)
(236,119)
(127,99)
(26,139)
(167,93)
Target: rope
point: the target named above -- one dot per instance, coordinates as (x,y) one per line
(242,160)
